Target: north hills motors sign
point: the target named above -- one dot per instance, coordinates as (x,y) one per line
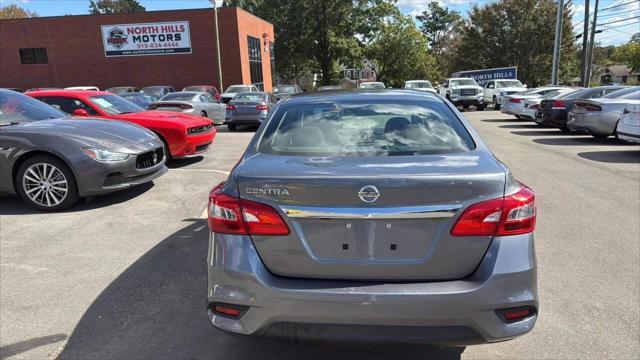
(159,38)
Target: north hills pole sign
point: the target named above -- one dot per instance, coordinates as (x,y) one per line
(159,38)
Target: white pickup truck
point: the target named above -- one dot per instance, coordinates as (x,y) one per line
(496,90)
(463,91)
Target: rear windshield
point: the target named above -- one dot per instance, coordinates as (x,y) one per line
(179,96)
(509,83)
(632,93)
(249,97)
(237,89)
(284,90)
(365,128)
(419,85)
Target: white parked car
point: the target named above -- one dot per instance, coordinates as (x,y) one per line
(236,89)
(514,104)
(93,88)
(496,90)
(371,85)
(419,85)
(628,128)
(463,91)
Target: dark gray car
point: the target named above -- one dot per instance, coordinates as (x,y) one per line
(248,108)
(51,160)
(372,216)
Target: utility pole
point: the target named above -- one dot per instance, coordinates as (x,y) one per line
(215,17)
(592,44)
(558,44)
(585,43)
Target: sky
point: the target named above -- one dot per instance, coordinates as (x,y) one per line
(614,34)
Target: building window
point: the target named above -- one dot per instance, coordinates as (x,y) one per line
(255,62)
(34,56)
(272,53)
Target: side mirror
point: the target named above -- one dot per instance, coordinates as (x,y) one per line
(80,112)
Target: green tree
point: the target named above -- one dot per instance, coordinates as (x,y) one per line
(441,26)
(628,54)
(510,33)
(14,11)
(399,52)
(114,6)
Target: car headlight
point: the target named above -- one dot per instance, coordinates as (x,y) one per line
(480,93)
(103,155)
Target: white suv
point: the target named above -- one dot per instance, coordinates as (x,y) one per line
(496,90)
(463,91)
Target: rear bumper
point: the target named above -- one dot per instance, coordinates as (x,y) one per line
(629,133)
(467,100)
(457,312)
(594,123)
(256,119)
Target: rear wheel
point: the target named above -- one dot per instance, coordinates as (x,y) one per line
(496,106)
(480,107)
(231,126)
(45,182)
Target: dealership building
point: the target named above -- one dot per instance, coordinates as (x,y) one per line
(174,48)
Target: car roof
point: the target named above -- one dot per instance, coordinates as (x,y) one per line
(253,93)
(461,78)
(361,94)
(69,93)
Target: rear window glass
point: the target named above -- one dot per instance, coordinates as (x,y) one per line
(365,128)
(251,97)
(632,93)
(179,96)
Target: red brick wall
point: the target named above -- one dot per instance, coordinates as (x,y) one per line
(250,25)
(76,55)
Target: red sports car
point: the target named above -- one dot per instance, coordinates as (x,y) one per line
(184,135)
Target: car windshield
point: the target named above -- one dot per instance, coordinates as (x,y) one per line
(463,82)
(138,97)
(365,128)
(372,85)
(284,90)
(114,105)
(249,97)
(154,91)
(238,89)
(179,96)
(419,85)
(15,107)
(632,93)
(509,83)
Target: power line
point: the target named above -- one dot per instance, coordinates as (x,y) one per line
(618,13)
(623,4)
(617,21)
(619,26)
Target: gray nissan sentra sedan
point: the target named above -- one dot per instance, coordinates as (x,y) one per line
(372,216)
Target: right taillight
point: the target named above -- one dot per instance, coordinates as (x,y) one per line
(587,106)
(511,215)
(230,215)
(515,100)
(558,105)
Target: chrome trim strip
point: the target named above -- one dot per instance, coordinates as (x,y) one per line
(403,212)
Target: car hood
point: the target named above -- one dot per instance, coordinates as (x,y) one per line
(175,118)
(91,132)
(466,87)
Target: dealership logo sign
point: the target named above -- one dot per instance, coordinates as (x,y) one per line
(117,38)
(142,39)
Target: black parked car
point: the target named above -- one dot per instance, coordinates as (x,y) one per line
(553,112)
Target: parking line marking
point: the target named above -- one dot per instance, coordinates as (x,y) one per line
(29,268)
(203,170)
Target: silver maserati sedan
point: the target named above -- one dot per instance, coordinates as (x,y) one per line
(371,216)
(51,160)
(193,103)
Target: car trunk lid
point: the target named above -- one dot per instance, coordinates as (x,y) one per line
(371,218)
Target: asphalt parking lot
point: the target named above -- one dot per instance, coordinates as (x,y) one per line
(124,276)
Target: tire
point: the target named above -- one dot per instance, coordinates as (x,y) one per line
(496,106)
(465,106)
(203,114)
(615,131)
(39,182)
(231,127)
(165,148)
(565,129)
(480,107)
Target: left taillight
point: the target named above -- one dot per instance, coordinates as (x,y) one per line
(230,215)
(510,215)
